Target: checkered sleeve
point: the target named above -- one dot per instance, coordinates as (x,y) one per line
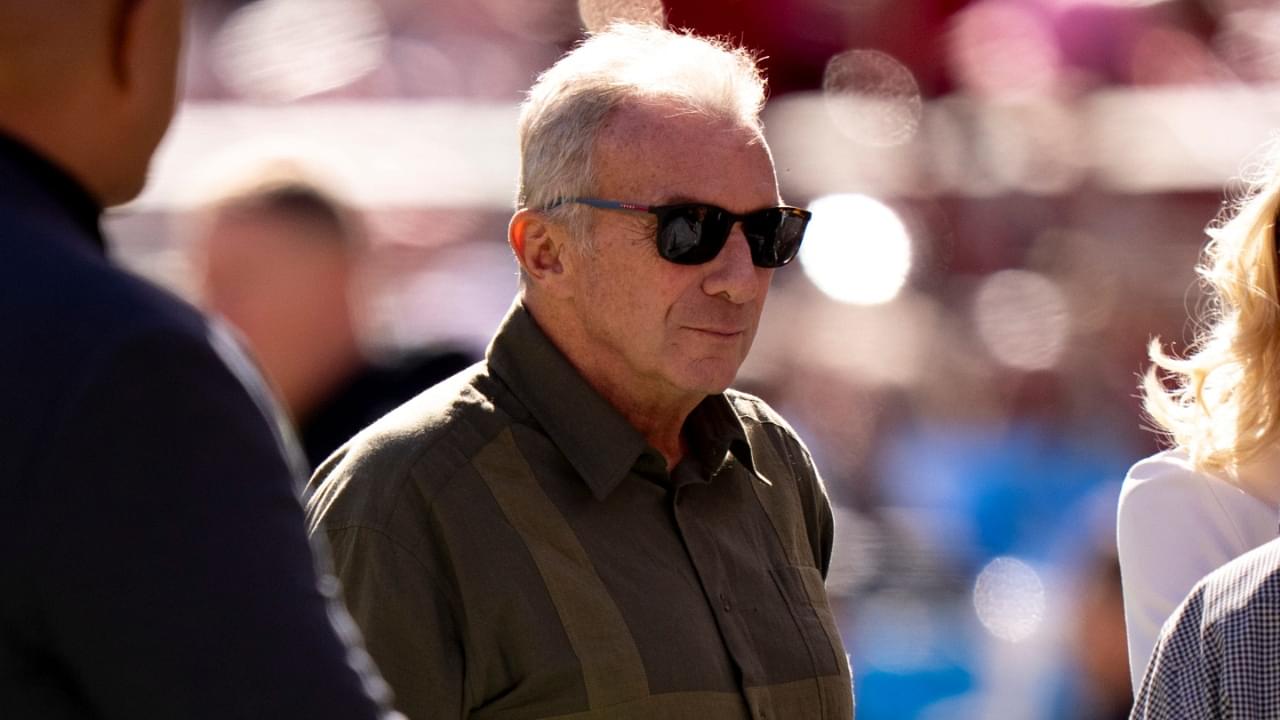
(1217,657)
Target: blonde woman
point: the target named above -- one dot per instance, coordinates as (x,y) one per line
(1216,494)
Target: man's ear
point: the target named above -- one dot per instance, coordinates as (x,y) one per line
(146,35)
(539,247)
(123,40)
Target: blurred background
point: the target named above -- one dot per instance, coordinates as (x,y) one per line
(1009,201)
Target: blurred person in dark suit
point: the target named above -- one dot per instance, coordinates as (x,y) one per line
(278,259)
(590,524)
(158,566)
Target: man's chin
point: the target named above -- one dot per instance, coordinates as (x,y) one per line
(124,190)
(711,376)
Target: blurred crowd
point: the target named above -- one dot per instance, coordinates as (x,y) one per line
(1009,197)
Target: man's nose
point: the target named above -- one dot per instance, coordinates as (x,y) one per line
(732,274)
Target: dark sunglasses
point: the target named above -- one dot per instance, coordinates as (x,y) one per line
(694,233)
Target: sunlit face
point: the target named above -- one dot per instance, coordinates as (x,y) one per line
(283,283)
(657,329)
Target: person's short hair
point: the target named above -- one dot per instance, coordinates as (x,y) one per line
(565,109)
(1222,400)
(283,190)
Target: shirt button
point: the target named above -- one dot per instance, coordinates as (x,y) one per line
(724,603)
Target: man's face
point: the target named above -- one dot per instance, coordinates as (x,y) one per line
(277,280)
(656,329)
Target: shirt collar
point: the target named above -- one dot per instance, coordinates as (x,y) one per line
(596,439)
(53,185)
(714,431)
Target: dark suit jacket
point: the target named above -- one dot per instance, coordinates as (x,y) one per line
(156,564)
(371,392)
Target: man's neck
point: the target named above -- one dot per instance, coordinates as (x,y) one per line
(661,426)
(48,136)
(54,180)
(655,411)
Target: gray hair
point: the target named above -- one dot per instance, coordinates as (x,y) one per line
(567,106)
(289,190)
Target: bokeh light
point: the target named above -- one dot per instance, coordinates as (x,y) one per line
(1250,36)
(880,345)
(856,249)
(597,14)
(897,631)
(548,20)
(283,50)
(1003,49)
(1110,3)
(1023,318)
(1009,599)
(872,97)
(1167,56)
(1033,147)
(388,155)
(422,69)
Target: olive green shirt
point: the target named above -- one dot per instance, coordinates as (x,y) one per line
(512,547)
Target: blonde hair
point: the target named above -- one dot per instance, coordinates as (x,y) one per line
(1222,401)
(626,62)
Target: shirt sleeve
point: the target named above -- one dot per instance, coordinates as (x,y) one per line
(1180,681)
(405,615)
(1170,532)
(175,578)
(1216,656)
(817,506)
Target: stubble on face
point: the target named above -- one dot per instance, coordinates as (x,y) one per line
(656,328)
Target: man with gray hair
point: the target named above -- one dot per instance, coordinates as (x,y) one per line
(589,524)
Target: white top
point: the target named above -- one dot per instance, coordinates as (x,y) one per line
(1174,526)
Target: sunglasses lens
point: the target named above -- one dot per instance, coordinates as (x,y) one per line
(691,234)
(694,234)
(774,235)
